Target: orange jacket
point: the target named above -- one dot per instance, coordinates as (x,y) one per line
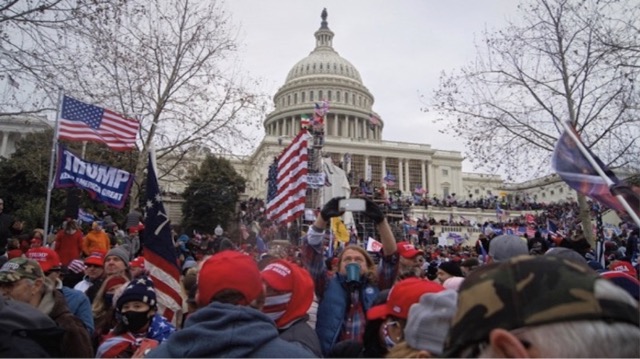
(96,241)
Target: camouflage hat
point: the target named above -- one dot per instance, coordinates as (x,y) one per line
(528,291)
(19,268)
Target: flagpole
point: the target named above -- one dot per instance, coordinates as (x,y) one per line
(600,171)
(54,148)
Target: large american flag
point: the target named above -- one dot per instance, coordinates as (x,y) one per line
(287,181)
(159,252)
(80,121)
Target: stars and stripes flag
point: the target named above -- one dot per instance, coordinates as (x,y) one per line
(373,121)
(80,121)
(320,110)
(287,181)
(159,251)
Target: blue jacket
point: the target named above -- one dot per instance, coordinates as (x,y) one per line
(230,331)
(80,306)
(333,309)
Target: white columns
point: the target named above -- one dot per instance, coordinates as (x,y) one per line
(407,182)
(432,178)
(5,140)
(400,175)
(345,126)
(384,168)
(423,175)
(366,168)
(335,125)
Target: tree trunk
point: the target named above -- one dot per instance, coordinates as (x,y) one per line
(584,213)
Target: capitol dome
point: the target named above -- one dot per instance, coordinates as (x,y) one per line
(324,75)
(324,60)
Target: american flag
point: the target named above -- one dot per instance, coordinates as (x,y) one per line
(373,121)
(287,187)
(80,121)
(160,254)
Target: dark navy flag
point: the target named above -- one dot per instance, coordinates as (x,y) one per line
(272,181)
(576,170)
(160,253)
(106,184)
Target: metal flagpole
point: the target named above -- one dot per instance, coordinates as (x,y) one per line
(600,171)
(54,149)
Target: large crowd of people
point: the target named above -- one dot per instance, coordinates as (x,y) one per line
(85,291)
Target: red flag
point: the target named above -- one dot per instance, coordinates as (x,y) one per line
(288,182)
(80,121)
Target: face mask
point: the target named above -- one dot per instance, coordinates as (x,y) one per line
(134,321)
(276,305)
(108,299)
(388,342)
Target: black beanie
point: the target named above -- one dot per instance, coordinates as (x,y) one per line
(451,268)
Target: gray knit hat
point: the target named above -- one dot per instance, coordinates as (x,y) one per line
(429,321)
(121,253)
(506,246)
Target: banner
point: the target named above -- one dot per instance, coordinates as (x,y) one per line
(106,184)
(315,180)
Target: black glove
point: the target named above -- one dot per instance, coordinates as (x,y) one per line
(331,209)
(373,211)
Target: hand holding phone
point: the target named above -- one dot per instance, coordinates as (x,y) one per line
(352,205)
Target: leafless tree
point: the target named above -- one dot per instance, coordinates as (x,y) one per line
(170,64)
(562,60)
(31,33)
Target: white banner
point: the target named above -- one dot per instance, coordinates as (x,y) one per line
(315,180)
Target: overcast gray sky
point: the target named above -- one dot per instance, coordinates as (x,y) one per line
(399,47)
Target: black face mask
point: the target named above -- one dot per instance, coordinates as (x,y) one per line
(108,299)
(134,321)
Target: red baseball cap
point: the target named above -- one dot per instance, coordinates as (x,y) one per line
(408,250)
(623,266)
(229,269)
(279,276)
(401,296)
(96,259)
(46,257)
(137,262)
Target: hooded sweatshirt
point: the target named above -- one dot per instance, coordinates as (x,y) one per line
(76,342)
(231,331)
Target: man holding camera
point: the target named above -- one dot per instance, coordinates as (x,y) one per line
(346,296)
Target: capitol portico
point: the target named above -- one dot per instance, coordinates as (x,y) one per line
(13,128)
